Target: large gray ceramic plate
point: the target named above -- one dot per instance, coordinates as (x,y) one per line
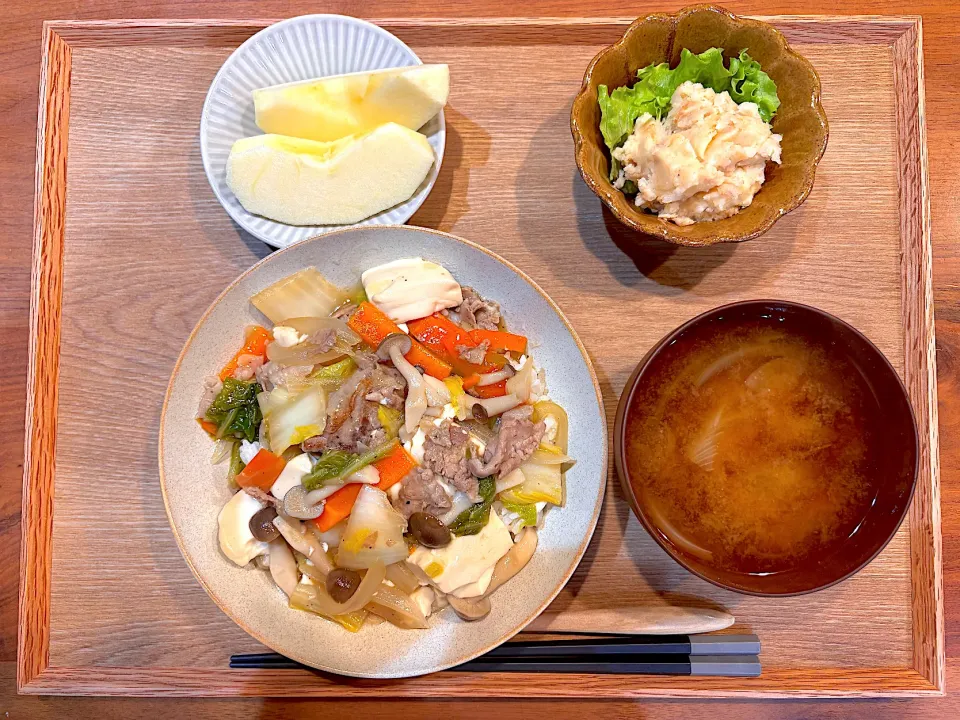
(194,491)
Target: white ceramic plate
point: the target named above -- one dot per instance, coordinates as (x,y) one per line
(194,491)
(301,48)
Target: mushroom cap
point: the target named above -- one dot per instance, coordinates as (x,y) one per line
(401,340)
(295,504)
(470,608)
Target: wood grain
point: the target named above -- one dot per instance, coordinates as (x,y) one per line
(920,376)
(43,370)
(133,157)
(20,54)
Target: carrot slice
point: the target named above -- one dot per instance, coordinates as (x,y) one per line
(373,326)
(255,344)
(488,391)
(393,468)
(262,471)
(445,338)
(501,340)
(209,427)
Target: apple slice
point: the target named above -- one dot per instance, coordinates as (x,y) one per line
(304,182)
(333,107)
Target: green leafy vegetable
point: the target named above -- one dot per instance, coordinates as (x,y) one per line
(329,377)
(527,513)
(335,465)
(744,80)
(748,83)
(236,465)
(235,410)
(472,520)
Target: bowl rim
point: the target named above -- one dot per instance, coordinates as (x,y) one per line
(242,217)
(663,229)
(630,388)
(604,468)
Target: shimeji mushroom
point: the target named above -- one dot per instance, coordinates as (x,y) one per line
(393,348)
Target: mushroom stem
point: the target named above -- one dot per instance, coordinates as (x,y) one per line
(494,377)
(515,559)
(416,401)
(492,406)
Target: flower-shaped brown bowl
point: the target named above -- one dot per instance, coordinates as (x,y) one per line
(660,38)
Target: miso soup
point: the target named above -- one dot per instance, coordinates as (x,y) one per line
(751,446)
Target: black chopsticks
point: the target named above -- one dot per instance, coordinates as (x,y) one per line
(700,655)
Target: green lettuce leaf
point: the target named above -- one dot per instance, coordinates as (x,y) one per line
(748,83)
(620,109)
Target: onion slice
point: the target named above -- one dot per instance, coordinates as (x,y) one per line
(368,587)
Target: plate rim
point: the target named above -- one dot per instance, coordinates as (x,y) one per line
(203,132)
(598,504)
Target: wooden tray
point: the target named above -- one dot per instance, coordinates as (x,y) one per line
(131,246)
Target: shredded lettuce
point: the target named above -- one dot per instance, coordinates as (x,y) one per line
(620,109)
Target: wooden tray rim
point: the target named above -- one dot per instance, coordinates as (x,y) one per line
(35,675)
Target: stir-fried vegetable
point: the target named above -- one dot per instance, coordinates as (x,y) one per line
(262,471)
(544,469)
(304,542)
(374,533)
(501,340)
(542,483)
(305,597)
(304,294)
(527,512)
(444,338)
(283,566)
(374,326)
(458,397)
(397,607)
(472,520)
(498,389)
(392,468)
(521,384)
(208,427)
(310,326)
(222,450)
(323,604)
(335,465)
(551,413)
(391,419)
(254,344)
(330,377)
(235,410)
(313,351)
(402,577)
(292,418)
(236,465)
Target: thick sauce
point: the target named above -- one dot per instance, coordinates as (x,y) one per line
(750,448)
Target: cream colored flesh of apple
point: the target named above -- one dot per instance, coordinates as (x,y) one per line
(303,182)
(334,107)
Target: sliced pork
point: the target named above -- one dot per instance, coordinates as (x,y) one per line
(515,441)
(421,491)
(444,453)
(475,312)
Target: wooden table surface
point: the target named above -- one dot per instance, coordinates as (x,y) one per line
(19,76)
